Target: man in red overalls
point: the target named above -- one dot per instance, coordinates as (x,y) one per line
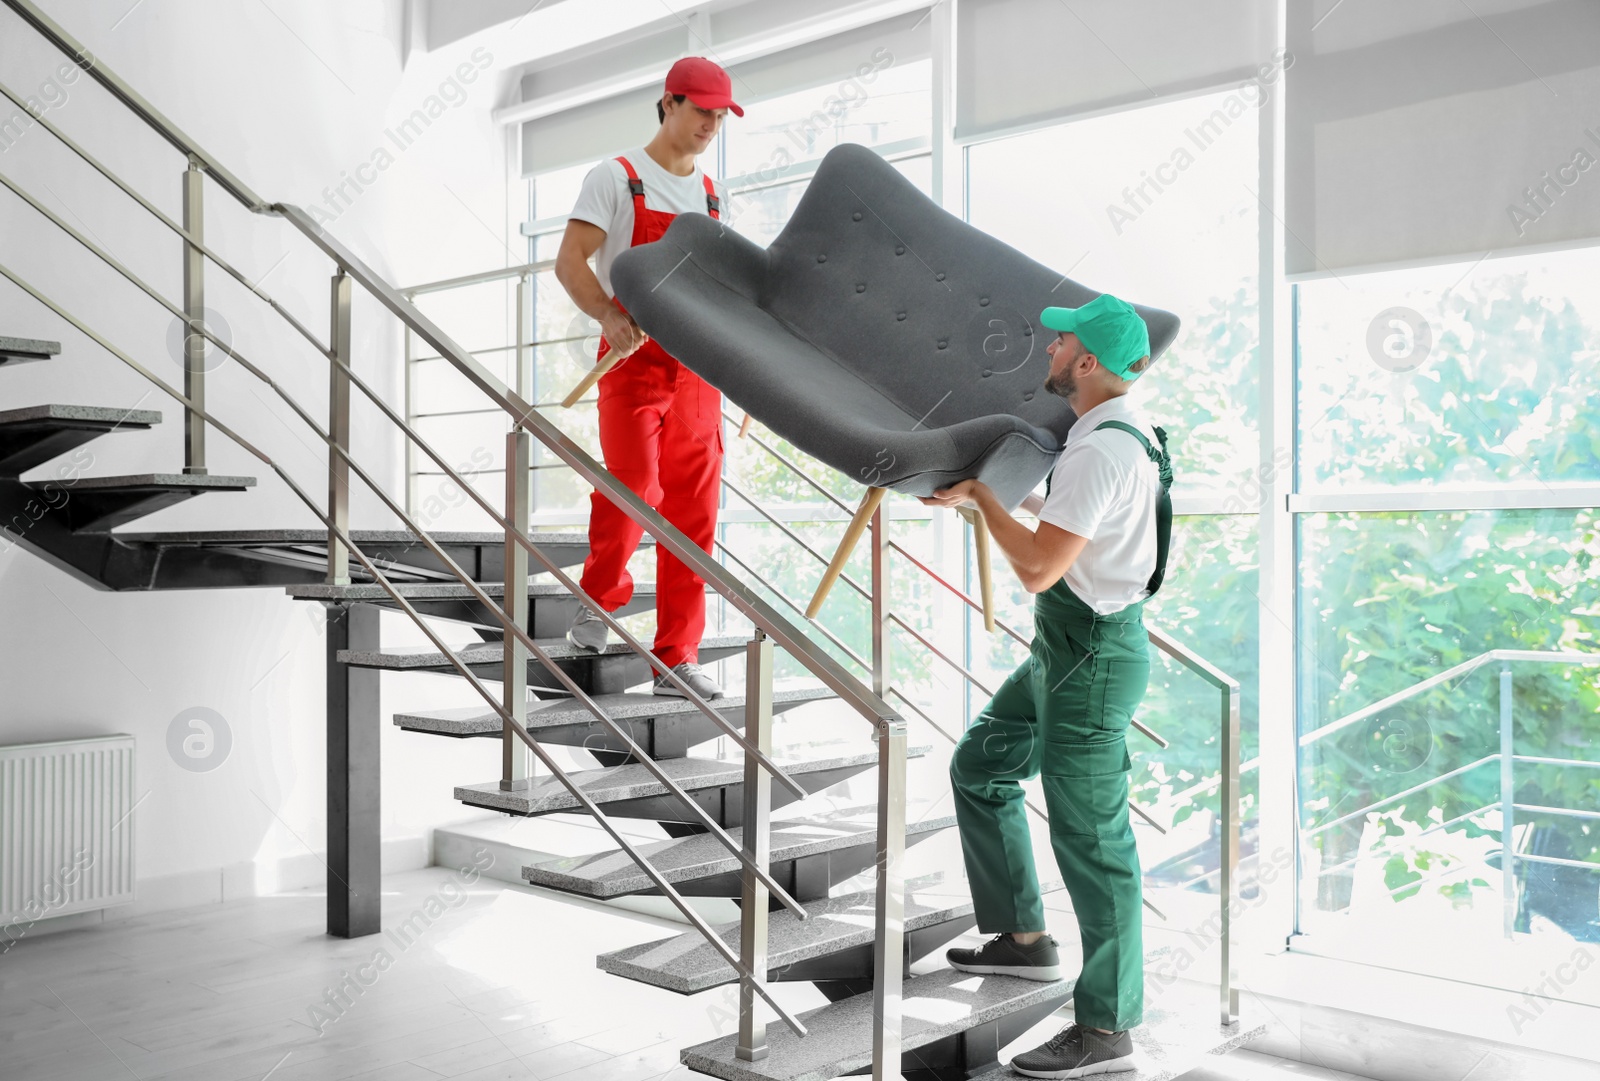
(660,424)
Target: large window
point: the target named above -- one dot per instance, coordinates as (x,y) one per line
(1130,204)
(1447,485)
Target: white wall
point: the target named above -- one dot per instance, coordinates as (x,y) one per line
(292,97)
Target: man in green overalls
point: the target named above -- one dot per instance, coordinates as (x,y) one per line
(1099,552)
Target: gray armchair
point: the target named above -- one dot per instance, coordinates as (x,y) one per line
(879,333)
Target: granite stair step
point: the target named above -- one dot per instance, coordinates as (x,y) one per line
(1182,1030)
(666,727)
(611,671)
(35,434)
(550,606)
(954,1025)
(939,1007)
(809,855)
(834,943)
(629,706)
(100,504)
(397,551)
(20,350)
(632,791)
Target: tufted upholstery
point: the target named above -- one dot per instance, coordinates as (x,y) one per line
(879,333)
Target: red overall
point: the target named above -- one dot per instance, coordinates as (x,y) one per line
(661,435)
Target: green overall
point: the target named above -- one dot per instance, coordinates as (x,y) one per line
(1063,715)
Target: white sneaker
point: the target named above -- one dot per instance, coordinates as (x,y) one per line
(588,630)
(694,676)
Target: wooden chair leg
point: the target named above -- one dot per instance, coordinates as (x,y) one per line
(590,380)
(852,534)
(980,544)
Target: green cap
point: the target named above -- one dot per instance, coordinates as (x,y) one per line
(1108,327)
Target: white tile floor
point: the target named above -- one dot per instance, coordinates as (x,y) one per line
(489,982)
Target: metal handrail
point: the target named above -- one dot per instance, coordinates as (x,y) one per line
(1554,656)
(482,277)
(1506,757)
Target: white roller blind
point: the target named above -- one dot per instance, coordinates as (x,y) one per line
(1431,131)
(592,131)
(1025,62)
(589,132)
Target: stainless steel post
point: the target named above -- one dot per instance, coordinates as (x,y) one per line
(888,947)
(1229,797)
(194,310)
(339,430)
(1508,796)
(752,1045)
(516,758)
(880,602)
(411,419)
(525,367)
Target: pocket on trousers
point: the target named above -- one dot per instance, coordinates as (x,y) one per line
(1118,691)
(1086,787)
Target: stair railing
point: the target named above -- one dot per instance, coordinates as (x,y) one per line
(1227,687)
(889,727)
(1505,757)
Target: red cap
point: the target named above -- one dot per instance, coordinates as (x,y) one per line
(703,82)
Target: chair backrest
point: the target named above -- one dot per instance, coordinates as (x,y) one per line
(936,315)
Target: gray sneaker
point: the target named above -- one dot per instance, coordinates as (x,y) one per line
(588,630)
(1076,1051)
(694,676)
(1002,956)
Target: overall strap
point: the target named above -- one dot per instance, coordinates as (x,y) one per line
(1163,497)
(635,185)
(635,189)
(713,204)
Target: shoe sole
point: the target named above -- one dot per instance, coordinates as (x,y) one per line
(1039,973)
(1112,1065)
(670,691)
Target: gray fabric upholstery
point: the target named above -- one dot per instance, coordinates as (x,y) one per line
(879,333)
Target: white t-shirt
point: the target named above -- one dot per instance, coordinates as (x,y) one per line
(605,201)
(1104,488)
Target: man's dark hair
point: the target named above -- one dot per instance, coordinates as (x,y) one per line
(661,112)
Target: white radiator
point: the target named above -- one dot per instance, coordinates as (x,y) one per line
(66,835)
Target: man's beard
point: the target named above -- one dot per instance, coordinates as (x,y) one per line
(1064,385)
